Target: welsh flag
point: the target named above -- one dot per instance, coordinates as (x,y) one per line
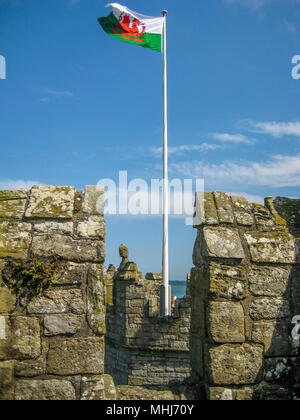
(132,27)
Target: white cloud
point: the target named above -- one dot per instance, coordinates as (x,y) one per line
(57,92)
(233,138)
(278,171)
(275,129)
(9,184)
(203,147)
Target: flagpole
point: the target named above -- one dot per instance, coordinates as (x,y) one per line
(165,298)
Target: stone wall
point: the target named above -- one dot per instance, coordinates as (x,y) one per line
(52,344)
(90,333)
(143,348)
(245,290)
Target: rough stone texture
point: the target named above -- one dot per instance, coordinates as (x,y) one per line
(93,202)
(6,380)
(229,394)
(224,208)
(269,281)
(218,242)
(242,211)
(271,247)
(58,227)
(227,281)
(93,227)
(34,367)
(285,211)
(251,299)
(234,364)
(226,322)
(275,336)
(205,210)
(135,393)
(14,239)
(51,202)
(7,300)
(233,328)
(62,325)
(47,342)
(56,301)
(96,299)
(50,389)
(269,308)
(97,388)
(25,338)
(76,355)
(68,248)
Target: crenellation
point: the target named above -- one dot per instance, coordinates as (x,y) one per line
(94,333)
(243,303)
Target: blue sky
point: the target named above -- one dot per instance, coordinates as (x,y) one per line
(78,106)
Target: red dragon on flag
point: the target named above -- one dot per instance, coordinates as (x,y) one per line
(130,27)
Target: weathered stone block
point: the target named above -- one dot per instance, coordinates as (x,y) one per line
(93,227)
(98,388)
(231,364)
(49,389)
(138,393)
(6,381)
(263,217)
(34,367)
(269,280)
(51,202)
(93,202)
(12,208)
(242,211)
(224,209)
(68,248)
(284,210)
(7,300)
(277,247)
(13,194)
(63,227)
(205,210)
(274,335)
(96,299)
(14,239)
(25,342)
(227,281)
(57,301)
(71,274)
(269,308)
(5,338)
(226,322)
(75,356)
(218,242)
(229,394)
(62,324)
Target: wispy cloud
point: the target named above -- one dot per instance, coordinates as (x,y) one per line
(232,138)
(57,92)
(9,184)
(275,129)
(252,4)
(203,147)
(278,171)
(54,94)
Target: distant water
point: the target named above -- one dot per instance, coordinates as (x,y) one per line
(178,288)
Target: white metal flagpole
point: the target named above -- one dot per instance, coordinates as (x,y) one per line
(165,297)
